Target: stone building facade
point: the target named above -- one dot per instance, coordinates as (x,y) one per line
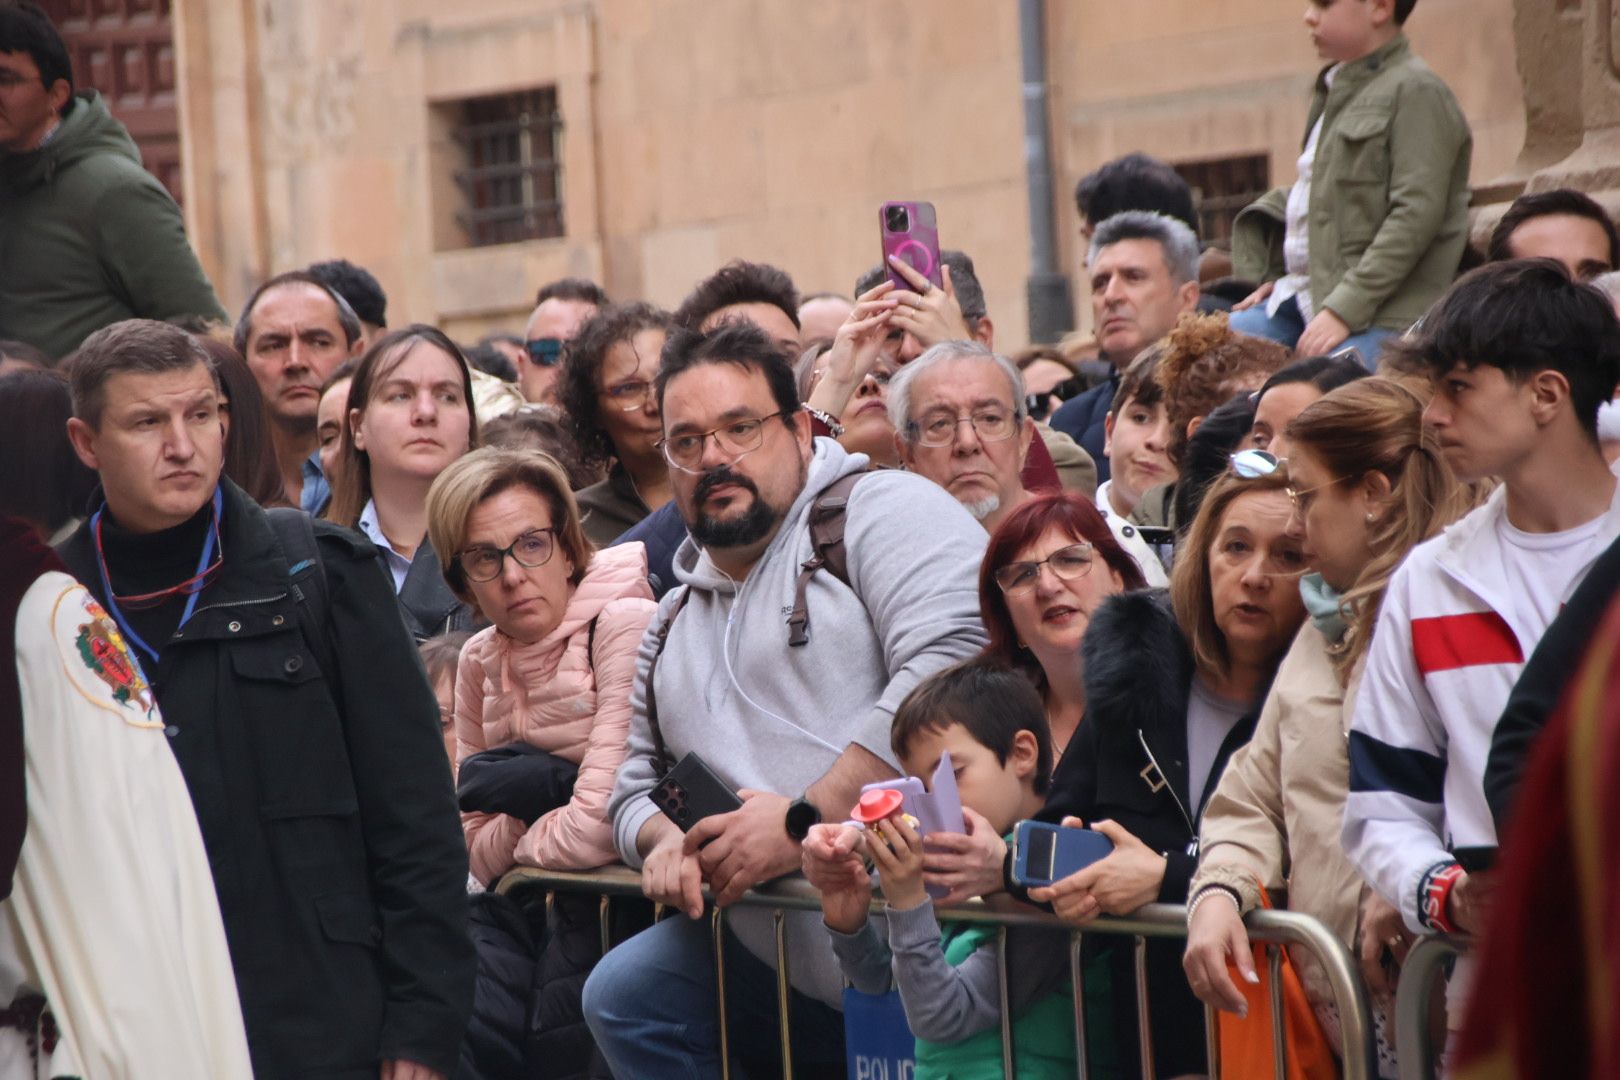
(689,132)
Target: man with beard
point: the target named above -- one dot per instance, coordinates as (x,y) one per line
(294,331)
(796,729)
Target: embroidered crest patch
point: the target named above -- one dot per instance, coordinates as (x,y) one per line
(92,644)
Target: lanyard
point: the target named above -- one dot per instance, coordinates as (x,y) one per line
(191,600)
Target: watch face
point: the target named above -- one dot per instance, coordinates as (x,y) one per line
(800,816)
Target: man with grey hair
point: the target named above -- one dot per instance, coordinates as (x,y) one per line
(959,421)
(1143,269)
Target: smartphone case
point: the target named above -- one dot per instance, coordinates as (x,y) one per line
(917,245)
(1072,850)
(937,808)
(691,791)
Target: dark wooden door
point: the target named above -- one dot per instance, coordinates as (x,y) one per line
(125,49)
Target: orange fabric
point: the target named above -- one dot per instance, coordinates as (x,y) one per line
(1246,1042)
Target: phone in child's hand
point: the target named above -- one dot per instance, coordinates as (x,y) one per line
(691,792)
(1043,853)
(911,234)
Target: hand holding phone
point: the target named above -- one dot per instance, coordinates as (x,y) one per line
(1043,854)
(691,792)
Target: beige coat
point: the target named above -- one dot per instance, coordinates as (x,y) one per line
(1275,815)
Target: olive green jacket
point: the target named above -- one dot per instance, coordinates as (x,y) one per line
(89,238)
(1389,194)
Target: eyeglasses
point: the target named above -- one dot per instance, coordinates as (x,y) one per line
(1301,497)
(485,563)
(685,451)
(1253,464)
(1067,563)
(629,396)
(990,425)
(544,352)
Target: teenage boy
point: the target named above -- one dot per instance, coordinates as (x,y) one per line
(1137,443)
(991,721)
(1370,233)
(1520,357)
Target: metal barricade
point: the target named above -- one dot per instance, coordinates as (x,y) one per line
(1274,929)
(1414,1003)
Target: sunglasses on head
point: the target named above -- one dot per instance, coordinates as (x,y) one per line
(546,351)
(1252,464)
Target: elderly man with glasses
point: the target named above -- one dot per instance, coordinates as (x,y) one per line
(783,679)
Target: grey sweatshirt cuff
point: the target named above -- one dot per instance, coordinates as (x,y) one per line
(913,928)
(627,826)
(864,958)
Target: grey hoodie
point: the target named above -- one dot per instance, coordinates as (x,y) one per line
(774,718)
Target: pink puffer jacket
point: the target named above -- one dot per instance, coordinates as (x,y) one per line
(553,696)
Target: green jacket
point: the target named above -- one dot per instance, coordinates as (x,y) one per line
(88,237)
(1389,194)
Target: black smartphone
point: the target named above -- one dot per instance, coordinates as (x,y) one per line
(1476,860)
(691,791)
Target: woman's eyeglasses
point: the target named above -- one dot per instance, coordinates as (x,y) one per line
(485,562)
(1067,563)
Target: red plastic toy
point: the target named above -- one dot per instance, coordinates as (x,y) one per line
(877,805)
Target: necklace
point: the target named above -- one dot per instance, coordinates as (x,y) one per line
(190,588)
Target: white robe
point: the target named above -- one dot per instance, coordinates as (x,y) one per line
(112,916)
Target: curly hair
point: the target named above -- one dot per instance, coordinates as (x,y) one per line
(1204,364)
(578,389)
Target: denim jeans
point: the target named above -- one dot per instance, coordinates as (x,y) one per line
(1286,326)
(650,1004)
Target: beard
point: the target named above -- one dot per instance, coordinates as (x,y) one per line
(983,508)
(748,527)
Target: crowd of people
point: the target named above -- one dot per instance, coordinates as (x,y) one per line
(1275,584)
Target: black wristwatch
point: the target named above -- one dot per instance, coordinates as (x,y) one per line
(801,815)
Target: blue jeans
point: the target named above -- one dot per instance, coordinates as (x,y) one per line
(650,1004)
(1286,326)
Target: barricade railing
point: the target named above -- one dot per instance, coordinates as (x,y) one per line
(1273,928)
(1421,974)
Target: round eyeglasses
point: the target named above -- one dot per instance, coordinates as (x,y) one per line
(1067,563)
(485,562)
(990,425)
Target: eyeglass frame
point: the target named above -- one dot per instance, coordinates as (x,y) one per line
(509,551)
(547,357)
(714,433)
(1294,494)
(1016,588)
(914,429)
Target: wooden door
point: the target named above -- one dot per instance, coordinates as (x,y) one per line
(125,49)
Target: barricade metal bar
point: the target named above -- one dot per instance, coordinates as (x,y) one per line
(784,987)
(1144,1021)
(604,910)
(1212,1041)
(1419,976)
(1009,1068)
(1279,1034)
(1077,979)
(718,924)
(1269,927)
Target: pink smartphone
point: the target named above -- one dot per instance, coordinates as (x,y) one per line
(911,233)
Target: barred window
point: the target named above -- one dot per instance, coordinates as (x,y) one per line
(1223,187)
(511,185)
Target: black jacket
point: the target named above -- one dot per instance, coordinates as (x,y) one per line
(1541,683)
(325,805)
(425,599)
(1082,419)
(1138,676)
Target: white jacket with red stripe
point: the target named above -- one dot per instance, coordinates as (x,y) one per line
(1442,661)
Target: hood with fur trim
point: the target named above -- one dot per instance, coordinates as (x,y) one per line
(1138,668)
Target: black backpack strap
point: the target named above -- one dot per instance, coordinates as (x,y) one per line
(827,552)
(662,762)
(306,577)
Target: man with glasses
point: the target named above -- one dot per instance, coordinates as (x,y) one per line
(91,237)
(300,716)
(795,729)
(560,309)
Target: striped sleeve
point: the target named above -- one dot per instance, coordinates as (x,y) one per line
(1394,815)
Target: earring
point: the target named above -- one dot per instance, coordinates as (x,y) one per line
(1369,517)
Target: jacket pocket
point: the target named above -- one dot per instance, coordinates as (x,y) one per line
(1360,170)
(348,918)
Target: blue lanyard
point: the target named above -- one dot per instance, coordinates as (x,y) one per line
(191,601)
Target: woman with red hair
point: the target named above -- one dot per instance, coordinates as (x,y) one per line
(1047,568)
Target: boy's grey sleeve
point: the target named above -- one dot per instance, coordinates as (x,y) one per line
(864,958)
(946,1004)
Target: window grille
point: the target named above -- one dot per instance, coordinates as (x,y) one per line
(1223,187)
(512,184)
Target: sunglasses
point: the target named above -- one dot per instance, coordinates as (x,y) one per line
(544,352)
(1253,464)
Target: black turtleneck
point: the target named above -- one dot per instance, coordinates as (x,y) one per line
(140,563)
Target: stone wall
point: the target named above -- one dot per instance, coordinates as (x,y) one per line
(701,130)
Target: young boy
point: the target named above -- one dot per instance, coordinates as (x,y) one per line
(1520,357)
(1371,231)
(1137,440)
(991,721)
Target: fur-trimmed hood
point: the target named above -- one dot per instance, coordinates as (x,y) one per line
(1138,668)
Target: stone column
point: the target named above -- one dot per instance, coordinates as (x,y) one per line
(1546,33)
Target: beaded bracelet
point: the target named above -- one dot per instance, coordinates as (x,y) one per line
(1214,890)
